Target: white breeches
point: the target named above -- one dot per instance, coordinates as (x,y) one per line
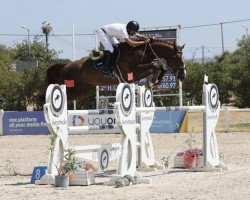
(105,40)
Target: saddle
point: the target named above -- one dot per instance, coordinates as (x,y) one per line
(98,58)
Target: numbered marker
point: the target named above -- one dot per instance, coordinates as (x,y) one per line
(37,174)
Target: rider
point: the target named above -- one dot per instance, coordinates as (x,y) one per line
(111,33)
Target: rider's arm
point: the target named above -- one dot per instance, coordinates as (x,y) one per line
(142,37)
(136,43)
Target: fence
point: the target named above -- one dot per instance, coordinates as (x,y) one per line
(231,119)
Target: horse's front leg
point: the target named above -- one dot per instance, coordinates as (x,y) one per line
(155,78)
(145,70)
(160,66)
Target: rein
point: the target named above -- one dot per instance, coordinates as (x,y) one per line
(158,60)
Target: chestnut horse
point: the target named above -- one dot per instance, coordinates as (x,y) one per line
(154,58)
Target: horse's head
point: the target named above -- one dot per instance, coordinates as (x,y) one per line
(178,62)
(173,55)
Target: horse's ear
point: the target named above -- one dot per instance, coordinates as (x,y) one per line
(182,47)
(175,46)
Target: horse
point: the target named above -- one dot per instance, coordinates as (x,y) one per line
(154,58)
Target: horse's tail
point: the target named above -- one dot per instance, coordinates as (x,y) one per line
(53,73)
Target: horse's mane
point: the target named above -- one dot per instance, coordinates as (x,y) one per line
(153,41)
(160,41)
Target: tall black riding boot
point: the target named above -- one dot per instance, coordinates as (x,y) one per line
(107,60)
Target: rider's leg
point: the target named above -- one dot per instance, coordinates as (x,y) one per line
(104,39)
(107,60)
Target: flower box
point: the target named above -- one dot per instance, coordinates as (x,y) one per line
(82,178)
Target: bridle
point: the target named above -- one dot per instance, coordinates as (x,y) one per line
(161,62)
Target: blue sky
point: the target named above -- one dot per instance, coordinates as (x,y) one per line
(90,15)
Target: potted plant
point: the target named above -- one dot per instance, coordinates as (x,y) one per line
(67,167)
(189,157)
(70,170)
(192,153)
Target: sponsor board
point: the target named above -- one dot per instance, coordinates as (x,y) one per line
(24,123)
(32,123)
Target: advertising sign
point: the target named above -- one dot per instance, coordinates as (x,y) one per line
(169,122)
(168,82)
(33,123)
(24,123)
(164,122)
(166,35)
(93,120)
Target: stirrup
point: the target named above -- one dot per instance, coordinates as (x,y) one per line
(109,73)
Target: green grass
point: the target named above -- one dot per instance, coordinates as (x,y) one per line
(243,125)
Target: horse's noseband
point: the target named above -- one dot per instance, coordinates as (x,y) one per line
(181,73)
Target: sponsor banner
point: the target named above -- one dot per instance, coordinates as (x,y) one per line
(164,122)
(33,123)
(168,82)
(167,35)
(93,120)
(169,122)
(24,123)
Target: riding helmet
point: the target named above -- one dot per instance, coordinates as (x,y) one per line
(133,25)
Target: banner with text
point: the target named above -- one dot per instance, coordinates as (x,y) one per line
(24,123)
(33,123)
(168,82)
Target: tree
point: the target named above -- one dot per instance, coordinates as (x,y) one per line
(34,79)
(217,72)
(241,74)
(192,85)
(6,58)
(31,83)
(38,51)
(10,81)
